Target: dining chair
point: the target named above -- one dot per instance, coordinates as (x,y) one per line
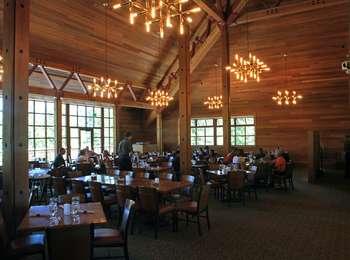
(21,246)
(58,186)
(70,242)
(67,198)
(235,187)
(150,205)
(196,209)
(79,188)
(97,196)
(109,237)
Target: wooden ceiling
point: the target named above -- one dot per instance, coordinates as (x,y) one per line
(67,34)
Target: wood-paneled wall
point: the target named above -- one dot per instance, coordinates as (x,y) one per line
(131,119)
(316,43)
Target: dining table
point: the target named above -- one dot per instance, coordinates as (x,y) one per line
(37,217)
(163,187)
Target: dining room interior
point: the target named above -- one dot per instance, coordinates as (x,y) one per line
(174,129)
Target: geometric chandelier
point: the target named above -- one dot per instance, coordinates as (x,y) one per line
(159,98)
(251,68)
(286,97)
(105,88)
(166,13)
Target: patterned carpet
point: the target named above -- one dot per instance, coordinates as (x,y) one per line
(313,222)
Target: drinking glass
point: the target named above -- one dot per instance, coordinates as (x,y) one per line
(75,207)
(53,209)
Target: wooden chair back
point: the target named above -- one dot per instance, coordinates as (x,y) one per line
(57,172)
(77,187)
(96,192)
(203,198)
(149,199)
(139,173)
(128,213)
(73,242)
(84,168)
(74,174)
(123,193)
(58,186)
(190,179)
(235,181)
(67,198)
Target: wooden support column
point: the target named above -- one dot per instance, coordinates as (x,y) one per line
(184,103)
(58,105)
(15,112)
(225,61)
(117,126)
(159,131)
(313,155)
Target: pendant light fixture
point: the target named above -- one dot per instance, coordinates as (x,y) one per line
(105,87)
(214,102)
(286,97)
(250,68)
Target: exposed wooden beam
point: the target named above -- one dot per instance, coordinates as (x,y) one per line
(184,103)
(210,10)
(236,9)
(284,10)
(47,76)
(64,84)
(81,82)
(32,69)
(159,132)
(225,75)
(132,93)
(15,111)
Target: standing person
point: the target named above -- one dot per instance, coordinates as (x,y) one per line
(124,150)
(59,160)
(176,165)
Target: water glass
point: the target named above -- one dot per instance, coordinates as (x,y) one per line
(75,207)
(53,209)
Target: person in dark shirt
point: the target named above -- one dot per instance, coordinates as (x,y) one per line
(59,160)
(176,165)
(124,150)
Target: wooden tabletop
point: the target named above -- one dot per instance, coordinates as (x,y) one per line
(37,217)
(164,186)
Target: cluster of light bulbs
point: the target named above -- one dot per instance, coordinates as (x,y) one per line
(214,102)
(159,98)
(105,88)
(247,69)
(287,97)
(157,11)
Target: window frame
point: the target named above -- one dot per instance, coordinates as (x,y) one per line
(33,125)
(214,126)
(234,126)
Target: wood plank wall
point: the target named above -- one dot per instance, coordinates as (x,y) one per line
(131,119)
(316,43)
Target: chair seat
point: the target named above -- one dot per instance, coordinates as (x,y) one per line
(107,236)
(166,209)
(28,244)
(188,206)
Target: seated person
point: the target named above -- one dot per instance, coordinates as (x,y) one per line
(228,158)
(260,154)
(212,157)
(107,163)
(279,164)
(59,160)
(83,157)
